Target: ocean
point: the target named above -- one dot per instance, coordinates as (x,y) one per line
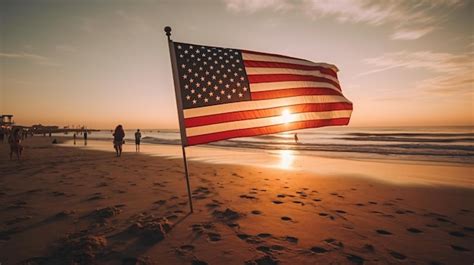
(435,144)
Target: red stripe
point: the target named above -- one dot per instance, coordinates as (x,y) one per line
(207,138)
(272,54)
(263,113)
(292,92)
(260,64)
(288,77)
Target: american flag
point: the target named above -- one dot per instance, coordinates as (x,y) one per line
(228,93)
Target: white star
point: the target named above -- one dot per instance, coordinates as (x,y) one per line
(191,47)
(220,81)
(232,80)
(245,88)
(202,78)
(237,60)
(209,83)
(191,80)
(240,95)
(226,85)
(218,98)
(216,87)
(238,84)
(185,76)
(206,100)
(190,70)
(222,92)
(225,76)
(194,101)
(229,96)
(233,90)
(211,94)
(242,78)
(199,95)
(235,74)
(186,51)
(183,66)
(204,89)
(196,74)
(188,97)
(214,77)
(179,47)
(198,85)
(192,91)
(186,86)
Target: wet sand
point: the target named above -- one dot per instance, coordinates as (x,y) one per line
(63,205)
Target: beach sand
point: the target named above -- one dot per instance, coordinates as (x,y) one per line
(64,205)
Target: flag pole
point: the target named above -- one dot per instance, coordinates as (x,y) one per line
(179,104)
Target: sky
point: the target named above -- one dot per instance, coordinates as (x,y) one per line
(101,63)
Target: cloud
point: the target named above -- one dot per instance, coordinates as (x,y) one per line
(38,59)
(409,19)
(252,6)
(411,34)
(453,72)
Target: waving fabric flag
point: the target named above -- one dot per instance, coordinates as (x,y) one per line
(227,93)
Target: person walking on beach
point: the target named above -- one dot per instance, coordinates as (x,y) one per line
(85,137)
(119,134)
(296,138)
(138,137)
(15,143)
(74,137)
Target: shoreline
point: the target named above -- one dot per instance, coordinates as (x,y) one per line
(386,170)
(63,203)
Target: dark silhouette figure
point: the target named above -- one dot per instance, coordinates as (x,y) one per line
(119,134)
(74,137)
(138,137)
(85,137)
(296,138)
(15,143)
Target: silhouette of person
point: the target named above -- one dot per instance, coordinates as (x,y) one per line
(138,137)
(85,137)
(296,138)
(74,137)
(15,143)
(118,134)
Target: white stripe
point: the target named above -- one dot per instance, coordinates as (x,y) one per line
(269,58)
(253,123)
(258,87)
(261,104)
(270,71)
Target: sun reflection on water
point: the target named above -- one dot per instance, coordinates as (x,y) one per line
(286,159)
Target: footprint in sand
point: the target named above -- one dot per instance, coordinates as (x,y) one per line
(317,200)
(372,202)
(383,232)
(245,196)
(414,230)
(198,262)
(298,202)
(291,239)
(457,234)
(319,250)
(355,259)
(323,214)
(264,235)
(341,211)
(286,218)
(281,196)
(277,202)
(459,248)
(256,212)
(187,248)
(263,249)
(213,237)
(397,255)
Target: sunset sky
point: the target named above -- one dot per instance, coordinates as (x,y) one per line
(100,63)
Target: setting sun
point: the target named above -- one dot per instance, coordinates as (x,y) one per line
(286,116)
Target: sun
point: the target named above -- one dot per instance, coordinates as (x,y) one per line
(286,116)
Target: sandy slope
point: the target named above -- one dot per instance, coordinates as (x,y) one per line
(63,205)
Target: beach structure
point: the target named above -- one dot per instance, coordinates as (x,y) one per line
(6,121)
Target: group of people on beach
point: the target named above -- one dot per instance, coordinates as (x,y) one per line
(119,135)
(14,137)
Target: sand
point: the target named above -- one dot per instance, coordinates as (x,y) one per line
(64,205)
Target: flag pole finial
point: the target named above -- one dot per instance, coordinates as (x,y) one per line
(168,32)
